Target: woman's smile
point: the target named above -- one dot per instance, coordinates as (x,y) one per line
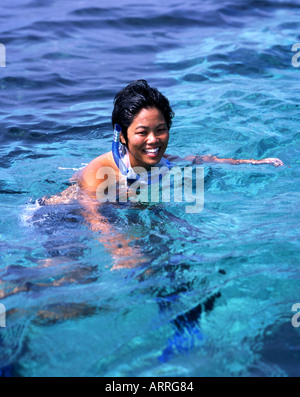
(152,152)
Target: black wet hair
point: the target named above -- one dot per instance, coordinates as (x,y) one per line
(133,98)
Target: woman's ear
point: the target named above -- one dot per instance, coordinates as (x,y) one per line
(122,139)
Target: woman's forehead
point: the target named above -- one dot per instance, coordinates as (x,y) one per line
(148,116)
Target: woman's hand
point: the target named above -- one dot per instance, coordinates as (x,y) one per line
(273,161)
(213,159)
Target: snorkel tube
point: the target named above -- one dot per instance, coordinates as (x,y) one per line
(115,150)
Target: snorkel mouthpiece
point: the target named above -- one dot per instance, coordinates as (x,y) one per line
(115,150)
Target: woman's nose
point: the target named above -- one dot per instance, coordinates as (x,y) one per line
(152,138)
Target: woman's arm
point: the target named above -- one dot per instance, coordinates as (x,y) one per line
(213,159)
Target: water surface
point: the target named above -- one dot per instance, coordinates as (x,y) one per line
(149,290)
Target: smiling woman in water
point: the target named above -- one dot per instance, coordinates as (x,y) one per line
(142,117)
(145,118)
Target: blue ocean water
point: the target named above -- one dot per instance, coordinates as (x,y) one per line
(206,294)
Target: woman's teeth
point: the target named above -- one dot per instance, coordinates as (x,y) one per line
(152,151)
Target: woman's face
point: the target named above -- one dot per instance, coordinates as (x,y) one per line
(147,137)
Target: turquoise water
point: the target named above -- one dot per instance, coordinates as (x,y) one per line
(206,294)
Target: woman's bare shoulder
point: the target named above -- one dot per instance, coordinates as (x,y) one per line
(88,176)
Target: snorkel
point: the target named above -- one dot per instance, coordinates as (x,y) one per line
(115,150)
